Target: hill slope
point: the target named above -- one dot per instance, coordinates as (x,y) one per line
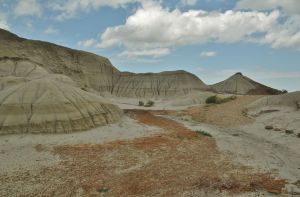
(34,101)
(240,84)
(164,84)
(84,68)
(96,72)
(289,101)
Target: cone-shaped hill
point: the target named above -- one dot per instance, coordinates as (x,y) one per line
(240,84)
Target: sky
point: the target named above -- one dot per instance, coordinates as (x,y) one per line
(210,38)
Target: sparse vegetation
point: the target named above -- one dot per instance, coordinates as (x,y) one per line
(84,89)
(269,127)
(288,131)
(217,100)
(141,103)
(103,190)
(211,100)
(149,104)
(203,133)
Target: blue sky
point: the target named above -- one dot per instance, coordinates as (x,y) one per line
(210,38)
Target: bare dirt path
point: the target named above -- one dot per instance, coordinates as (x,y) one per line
(179,162)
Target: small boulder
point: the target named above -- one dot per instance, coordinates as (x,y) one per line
(298,135)
(277,129)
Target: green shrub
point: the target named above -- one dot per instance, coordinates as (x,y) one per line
(218,100)
(211,99)
(141,103)
(103,190)
(203,133)
(149,104)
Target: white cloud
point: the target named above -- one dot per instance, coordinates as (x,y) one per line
(208,54)
(153,27)
(3,22)
(87,43)
(283,35)
(155,53)
(70,8)
(28,8)
(286,34)
(288,6)
(188,2)
(51,30)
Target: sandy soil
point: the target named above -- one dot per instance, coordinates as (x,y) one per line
(228,114)
(33,151)
(178,162)
(156,153)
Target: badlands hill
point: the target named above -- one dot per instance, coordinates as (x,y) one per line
(240,84)
(164,84)
(86,69)
(96,72)
(33,101)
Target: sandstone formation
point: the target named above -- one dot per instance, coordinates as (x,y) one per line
(240,84)
(34,101)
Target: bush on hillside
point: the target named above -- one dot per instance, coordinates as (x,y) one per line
(149,104)
(218,100)
(211,100)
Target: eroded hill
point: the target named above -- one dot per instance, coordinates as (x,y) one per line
(240,84)
(92,71)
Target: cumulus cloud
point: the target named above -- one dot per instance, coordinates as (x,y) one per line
(283,35)
(28,8)
(87,43)
(3,22)
(70,8)
(51,30)
(288,6)
(208,54)
(286,34)
(153,27)
(155,53)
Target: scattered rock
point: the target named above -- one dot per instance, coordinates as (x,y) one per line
(269,127)
(288,131)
